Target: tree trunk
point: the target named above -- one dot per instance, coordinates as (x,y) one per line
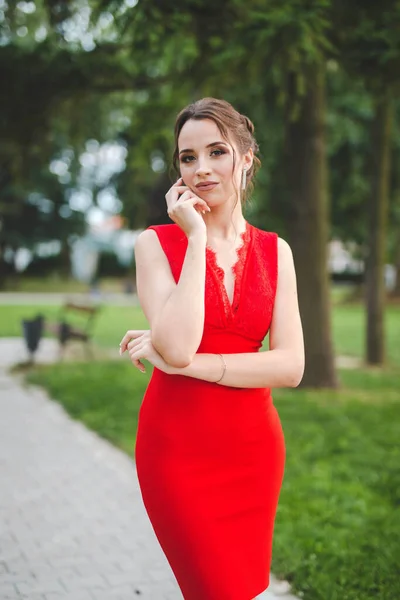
(396,290)
(65,259)
(4,269)
(306,166)
(378,216)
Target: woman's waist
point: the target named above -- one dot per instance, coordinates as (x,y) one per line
(183,412)
(181,391)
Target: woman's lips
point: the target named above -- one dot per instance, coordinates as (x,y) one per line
(206,187)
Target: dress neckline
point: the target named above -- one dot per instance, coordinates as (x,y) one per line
(237,270)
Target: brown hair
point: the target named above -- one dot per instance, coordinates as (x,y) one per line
(228,121)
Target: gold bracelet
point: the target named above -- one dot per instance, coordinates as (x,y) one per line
(224,368)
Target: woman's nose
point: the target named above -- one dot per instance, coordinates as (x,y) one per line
(202,167)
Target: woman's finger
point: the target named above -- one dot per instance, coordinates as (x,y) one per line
(134,343)
(184,196)
(135,356)
(138,351)
(192,200)
(139,365)
(130,334)
(173,193)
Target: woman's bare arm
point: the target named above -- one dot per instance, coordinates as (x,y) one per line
(283,364)
(175,311)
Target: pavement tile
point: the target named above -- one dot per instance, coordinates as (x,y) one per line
(86,595)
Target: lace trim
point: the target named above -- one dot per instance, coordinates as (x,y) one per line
(237,268)
(241,252)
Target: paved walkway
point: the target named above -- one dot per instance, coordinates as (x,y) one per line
(72,521)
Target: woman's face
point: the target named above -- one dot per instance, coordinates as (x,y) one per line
(206,162)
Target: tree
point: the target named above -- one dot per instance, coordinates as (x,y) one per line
(309,226)
(369,42)
(55,98)
(378,220)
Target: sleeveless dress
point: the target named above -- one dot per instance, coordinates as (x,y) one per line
(210,458)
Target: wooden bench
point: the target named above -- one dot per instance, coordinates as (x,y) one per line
(67,328)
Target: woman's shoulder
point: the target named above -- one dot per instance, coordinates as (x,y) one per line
(276,247)
(273,237)
(273,247)
(167,228)
(264,236)
(168,238)
(166,232)
(163,226)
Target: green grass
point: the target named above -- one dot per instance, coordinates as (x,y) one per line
(348,325)
(349,322)
(59,284)
(109,327)
(338,521)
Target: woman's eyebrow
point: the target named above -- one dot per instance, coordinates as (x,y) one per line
(208,146)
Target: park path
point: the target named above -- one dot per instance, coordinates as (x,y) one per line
(72,522)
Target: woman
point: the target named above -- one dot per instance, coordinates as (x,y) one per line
(210,449)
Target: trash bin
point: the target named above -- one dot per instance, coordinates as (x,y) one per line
(32,330)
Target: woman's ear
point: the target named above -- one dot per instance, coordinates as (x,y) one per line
(248,159)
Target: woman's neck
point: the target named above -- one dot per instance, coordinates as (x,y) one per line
(223,224)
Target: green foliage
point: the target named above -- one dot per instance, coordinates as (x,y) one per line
(367,35)
(348,121)
(147,62)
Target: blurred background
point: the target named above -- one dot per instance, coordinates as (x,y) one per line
(89,94)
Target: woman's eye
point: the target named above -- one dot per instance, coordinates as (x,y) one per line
(186,159)
(189,158)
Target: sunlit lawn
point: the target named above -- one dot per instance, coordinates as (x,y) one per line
(349,330)
(110,324)
(338,522)
(59,284)
(113,321)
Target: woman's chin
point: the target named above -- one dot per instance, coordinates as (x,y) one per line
(213,198)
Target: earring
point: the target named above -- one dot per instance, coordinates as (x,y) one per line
(244,179)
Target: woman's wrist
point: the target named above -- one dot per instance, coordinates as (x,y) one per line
(198,237)
(223,368)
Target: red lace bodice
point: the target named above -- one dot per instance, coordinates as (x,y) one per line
(237,270)
(242,326)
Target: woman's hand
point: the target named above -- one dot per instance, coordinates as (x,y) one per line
(139,346)
(185,208)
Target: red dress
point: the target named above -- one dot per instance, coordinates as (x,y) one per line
(210,458)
